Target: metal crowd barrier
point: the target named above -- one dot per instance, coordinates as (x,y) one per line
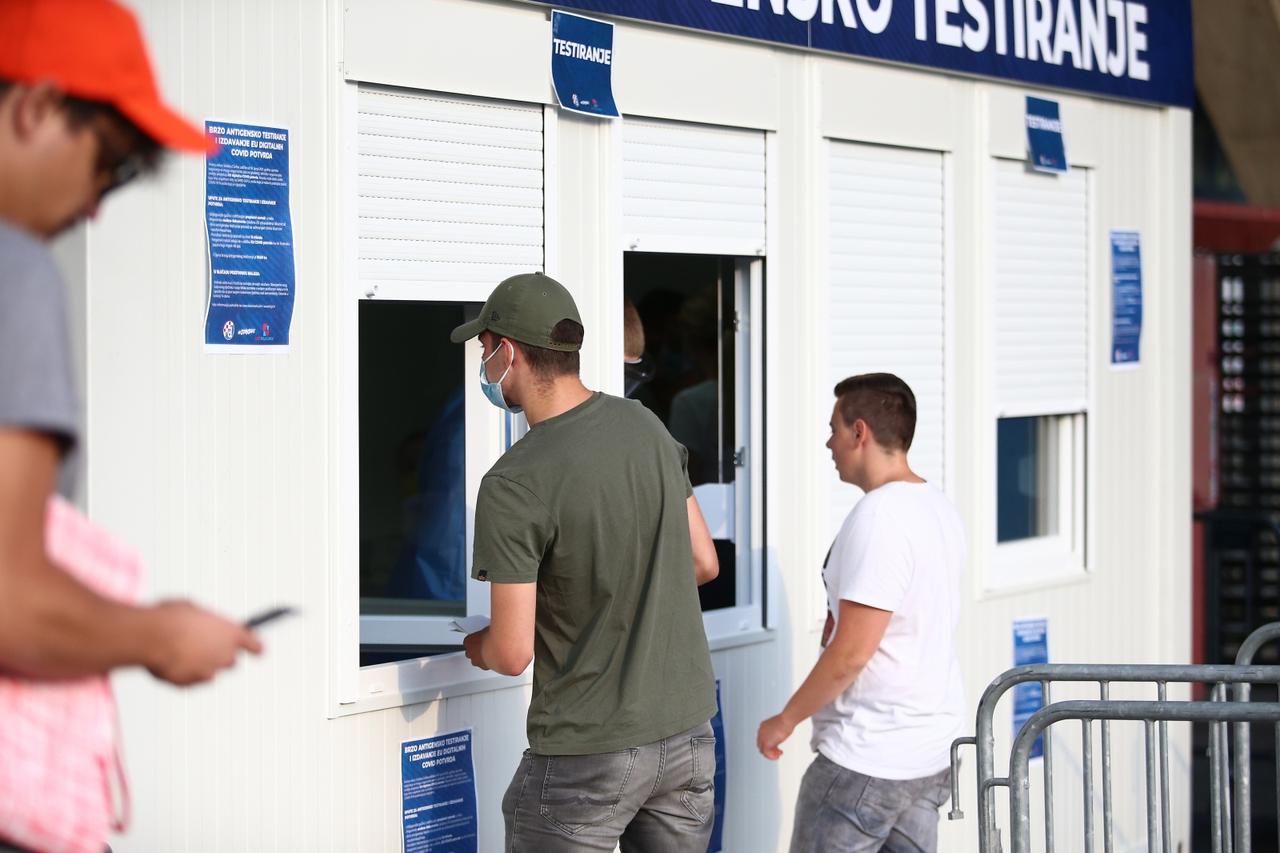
(1243,791)
(1155,715)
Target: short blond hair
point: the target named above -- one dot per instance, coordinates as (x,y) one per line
(632,332)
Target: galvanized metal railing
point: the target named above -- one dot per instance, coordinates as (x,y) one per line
(1218,712)
(1242,787)
(1149,713)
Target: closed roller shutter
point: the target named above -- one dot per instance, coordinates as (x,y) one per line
(692,188)
(1041,291)
(887,278)
(450,193)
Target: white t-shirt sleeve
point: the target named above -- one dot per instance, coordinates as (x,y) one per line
(874,564)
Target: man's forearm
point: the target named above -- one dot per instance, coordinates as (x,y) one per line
(52,626)
(830,676)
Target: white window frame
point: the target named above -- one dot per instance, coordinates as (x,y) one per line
(354,689)
(744,622)
(1043,561)
(1061,555)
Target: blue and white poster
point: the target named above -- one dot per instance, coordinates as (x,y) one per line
(1046,150)
(1030,645)
(250,231)
(1126,298)
(582,64)
(717,728)
(438,793)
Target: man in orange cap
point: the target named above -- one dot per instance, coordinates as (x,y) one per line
(80,115)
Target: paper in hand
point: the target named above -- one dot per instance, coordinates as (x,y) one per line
(469,624)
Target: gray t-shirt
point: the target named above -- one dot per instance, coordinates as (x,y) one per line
(36,388)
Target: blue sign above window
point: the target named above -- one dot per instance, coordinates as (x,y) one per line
(1133,49)
(1044,136)
(582,64)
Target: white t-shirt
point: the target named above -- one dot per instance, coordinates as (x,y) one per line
(901,549)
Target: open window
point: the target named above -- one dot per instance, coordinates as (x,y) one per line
(414,474)
(701,358)
(446,198)
(1041,372)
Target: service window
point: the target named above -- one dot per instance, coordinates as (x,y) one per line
(413,480)
(1041,365)
(449,200)
(694,225)
(692,310)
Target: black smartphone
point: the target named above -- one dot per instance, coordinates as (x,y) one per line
(260,619)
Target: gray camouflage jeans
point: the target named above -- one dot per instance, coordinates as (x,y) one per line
(656,798)
(846,811)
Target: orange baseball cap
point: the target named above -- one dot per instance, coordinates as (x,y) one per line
(92,49)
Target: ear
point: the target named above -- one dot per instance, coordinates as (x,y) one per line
(860,431)
(32,106)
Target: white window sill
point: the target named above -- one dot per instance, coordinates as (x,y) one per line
(412,682)
(751,637)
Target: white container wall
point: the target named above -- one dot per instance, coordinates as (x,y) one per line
(233,475)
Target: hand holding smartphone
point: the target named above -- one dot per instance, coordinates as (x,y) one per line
(259,619)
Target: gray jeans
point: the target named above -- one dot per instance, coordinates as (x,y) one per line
(846,811)
(656,798)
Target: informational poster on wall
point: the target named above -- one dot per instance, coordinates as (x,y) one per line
(250,233)
(717,728)
(1030,645)
(1126,299)
(582,64)
(1046,150)
(438,793)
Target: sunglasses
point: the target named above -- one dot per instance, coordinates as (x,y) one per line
(119,158)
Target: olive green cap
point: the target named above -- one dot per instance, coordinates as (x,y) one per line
(525,308)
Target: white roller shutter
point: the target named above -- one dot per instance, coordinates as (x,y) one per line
(450,193)
(692,188)
(887,298)
(1041,291)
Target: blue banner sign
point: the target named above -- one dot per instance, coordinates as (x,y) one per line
(250,232)
(1048,153)
(1030,645)
(717,728)
(582,64)
(438,794)
(1126,298)
(1133,49)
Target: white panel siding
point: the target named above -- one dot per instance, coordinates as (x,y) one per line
(221,469)
(692,188)
(1041,290)
(450,190)
(886,287)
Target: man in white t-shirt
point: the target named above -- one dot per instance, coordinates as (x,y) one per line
(885,695)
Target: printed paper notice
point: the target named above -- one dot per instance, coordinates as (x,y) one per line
(438,782)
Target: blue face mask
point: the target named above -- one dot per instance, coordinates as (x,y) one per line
(493,390)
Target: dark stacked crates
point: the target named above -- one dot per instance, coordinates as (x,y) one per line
(1243,567)
(1241,533)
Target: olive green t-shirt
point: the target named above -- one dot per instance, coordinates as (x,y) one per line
(591,505)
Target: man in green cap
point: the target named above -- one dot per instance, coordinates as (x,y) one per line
(593,544)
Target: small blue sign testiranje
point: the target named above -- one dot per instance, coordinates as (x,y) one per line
(1030,645)
(1126,298)
(438,792)
(250,232)
(582,64)
(717,728)
(1048,153)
